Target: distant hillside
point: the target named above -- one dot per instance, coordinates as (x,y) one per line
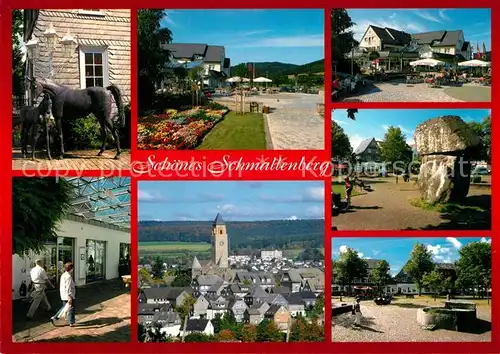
(254,234)
(273,68)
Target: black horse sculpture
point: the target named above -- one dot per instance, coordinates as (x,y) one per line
(32,117)
(71,104)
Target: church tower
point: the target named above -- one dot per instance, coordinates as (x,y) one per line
(220,244)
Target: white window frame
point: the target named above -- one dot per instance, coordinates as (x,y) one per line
(105,65)
(91,13)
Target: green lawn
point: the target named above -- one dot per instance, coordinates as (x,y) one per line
(237,132)
(295,252)
(339,188)
(181,247)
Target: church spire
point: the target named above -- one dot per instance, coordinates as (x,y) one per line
(218,220)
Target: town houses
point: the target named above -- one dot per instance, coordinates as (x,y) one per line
(247,289)
(392,49)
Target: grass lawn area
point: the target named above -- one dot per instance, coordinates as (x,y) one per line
(445,208)
(339,188)
(295,252)
(164,247)
(237,132)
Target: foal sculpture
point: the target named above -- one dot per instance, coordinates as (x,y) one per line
(32,118)
(105,103)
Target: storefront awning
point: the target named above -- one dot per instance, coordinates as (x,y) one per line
(105,199)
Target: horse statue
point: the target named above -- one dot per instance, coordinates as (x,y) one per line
(71,104)
(32,117)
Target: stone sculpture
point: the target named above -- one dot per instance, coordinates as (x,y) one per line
(446,145)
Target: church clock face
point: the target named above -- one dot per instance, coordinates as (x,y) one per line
(221,243)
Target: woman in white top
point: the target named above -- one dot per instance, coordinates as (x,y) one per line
(67,291)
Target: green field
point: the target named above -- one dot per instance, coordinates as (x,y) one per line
(176,249)
(173,247)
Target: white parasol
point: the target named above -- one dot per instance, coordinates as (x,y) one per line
(426,62)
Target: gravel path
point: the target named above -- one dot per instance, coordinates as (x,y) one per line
(393,323)
(293,123)
(386,208)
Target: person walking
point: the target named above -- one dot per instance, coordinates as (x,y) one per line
(67,291)
(39,279)
(357,312)
(348,191)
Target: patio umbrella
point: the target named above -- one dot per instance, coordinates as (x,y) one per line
(426,62)
(234,79)
(474,63)
(262,79)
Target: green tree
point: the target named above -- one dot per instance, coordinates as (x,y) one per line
(435,282)
(319,305)
(18,67)
(381,275)
(157,268)
(474,267)
(184,312)
(420,263)
(268,332)
(483,131)
(197,337)
(248,333)
(38,205)
(153,334)
(304,331)
(348,267)
(240,70)
(182,279)
(341,146)
(394,147)
(144,276)
(152,56)
(342,38)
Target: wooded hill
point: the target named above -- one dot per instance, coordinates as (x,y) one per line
(254,234)
(273,68)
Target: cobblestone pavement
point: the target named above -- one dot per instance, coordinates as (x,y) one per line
(293,123)
(398,323)
(401,92)
(387,207)
(73,160)
(110,324)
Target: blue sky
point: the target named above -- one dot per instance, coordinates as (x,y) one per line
(162,200)
(287,36)
(396,251)
(476,23)
(373,123)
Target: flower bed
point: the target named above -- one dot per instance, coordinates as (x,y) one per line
(178,130)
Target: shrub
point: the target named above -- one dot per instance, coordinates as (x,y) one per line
(82,133)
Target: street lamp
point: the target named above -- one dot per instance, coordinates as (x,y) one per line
(68,43)
(51,36)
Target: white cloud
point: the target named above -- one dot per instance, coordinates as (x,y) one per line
(376,252)
(486,240)
(343,249)
(293,217)
(454,242)
(315,212)
(441,254)
(361,255)
(410,27)
(341,122)
(315,193)
(355,140)
(443,15)
(427,16)
(393,16)
(145,196)
(253,33)
(314,40)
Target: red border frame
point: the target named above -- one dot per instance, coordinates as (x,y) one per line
(6,344)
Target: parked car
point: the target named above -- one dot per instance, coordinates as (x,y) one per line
(480,170)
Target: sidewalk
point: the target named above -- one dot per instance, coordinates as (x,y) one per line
(102,315)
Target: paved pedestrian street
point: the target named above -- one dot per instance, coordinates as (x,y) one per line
(102,315)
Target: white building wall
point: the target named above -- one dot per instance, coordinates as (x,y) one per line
(80,232)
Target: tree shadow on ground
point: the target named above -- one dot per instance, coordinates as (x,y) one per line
(482,326)
(472,214)
(408,305)
(121,334)
(99,322)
